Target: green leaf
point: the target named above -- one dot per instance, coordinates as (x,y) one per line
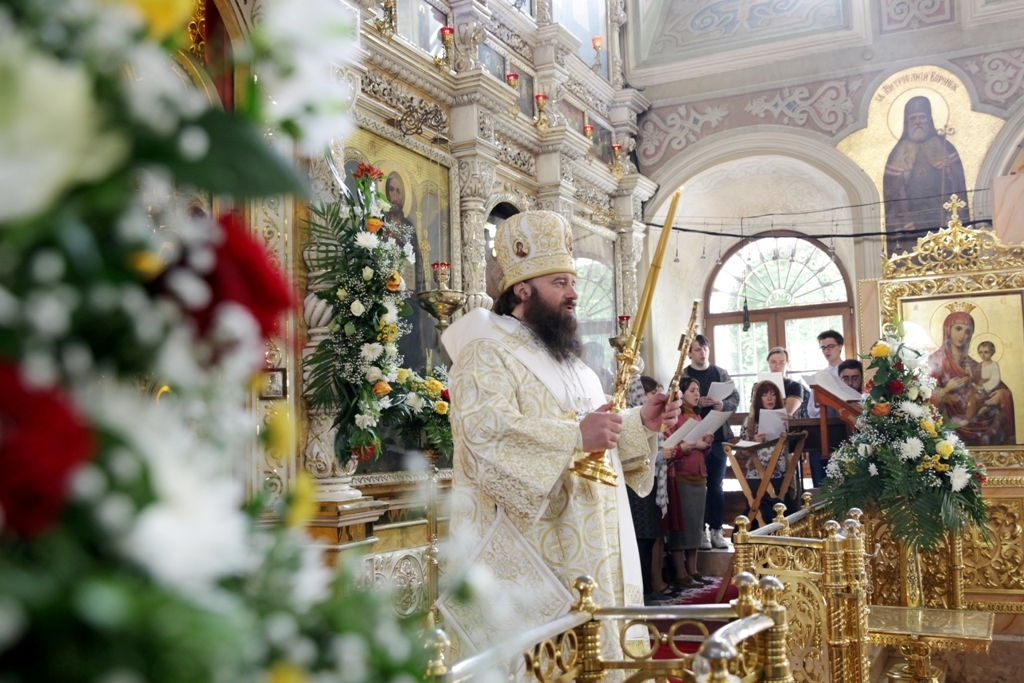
(239,162)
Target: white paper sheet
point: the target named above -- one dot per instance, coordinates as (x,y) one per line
(719,391)
(769,423)
(776,378)
(836,386)
(745,444)
(709,425)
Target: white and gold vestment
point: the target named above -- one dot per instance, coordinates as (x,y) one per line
(516,432)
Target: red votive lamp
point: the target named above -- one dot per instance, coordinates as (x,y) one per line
(597,42)
(512,78)
(446,31)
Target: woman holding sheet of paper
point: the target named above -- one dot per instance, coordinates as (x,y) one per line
(767,421)
(688,476)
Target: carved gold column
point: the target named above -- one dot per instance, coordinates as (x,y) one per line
(589,634)
(956,570)
(776,663)
(855,606)
(834,588)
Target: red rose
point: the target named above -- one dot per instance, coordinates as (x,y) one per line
(362,453)
(42,441)
(898,365)
(365,170)
(895,386)
(245,275)
(445,395)
(869,385)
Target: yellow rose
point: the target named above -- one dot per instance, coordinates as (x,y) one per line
(944,448)
(286,672)
(302,505)
(880,350)
(441,407)
(434,387)
(403,375)
(381,388)
(163,17)
(928,426)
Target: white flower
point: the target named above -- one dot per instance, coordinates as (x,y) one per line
(414,401)
(391,313)
(912,409)
(307,39)
(374,374)
(912,392)
(371,352)
(953,438)
(357,308)
(157,97)
(193,143)
(410,255)
(367,240)
(191,289)
(364,421)
(384,403)
(311,583)
(367,273)
(873,470)
(959,477)
(390,350)
(926,392)
(13,621)
(911,449)
(834,470)
(864,450)
(51,129)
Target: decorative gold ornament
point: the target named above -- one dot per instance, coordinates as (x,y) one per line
(387,26)
(540,121)
(197,31)
(443,302)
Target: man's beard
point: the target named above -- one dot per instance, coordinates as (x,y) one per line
(918,134)
(555,327)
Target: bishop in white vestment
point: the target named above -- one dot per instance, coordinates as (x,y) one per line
(523,407)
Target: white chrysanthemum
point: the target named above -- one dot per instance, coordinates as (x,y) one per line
(373,374)
(307,38)
(51,128)
(873,469)
(367,240)
(364,421)
(912,409)
(414,401)
(391,313)
(953,438)
(390,350)
(958,477)
(911,449)
(357,308)
(194,534)
(371,352)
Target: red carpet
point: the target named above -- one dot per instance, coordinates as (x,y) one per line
(704,595)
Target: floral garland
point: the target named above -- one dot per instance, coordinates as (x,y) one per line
(125,551)
(356,369)
(902,460)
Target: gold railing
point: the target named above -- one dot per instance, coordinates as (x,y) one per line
(750,647)
(826,591)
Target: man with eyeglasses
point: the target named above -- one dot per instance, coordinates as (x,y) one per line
(851,372)
(831,344)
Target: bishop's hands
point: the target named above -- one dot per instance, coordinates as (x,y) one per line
(659,410)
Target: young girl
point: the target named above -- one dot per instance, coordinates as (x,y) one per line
(766,397)
(688,476)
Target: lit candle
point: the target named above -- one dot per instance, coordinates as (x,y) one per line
(512,78)
(446,32)
(597,42)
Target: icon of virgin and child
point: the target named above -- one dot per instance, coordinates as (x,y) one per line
(971,394)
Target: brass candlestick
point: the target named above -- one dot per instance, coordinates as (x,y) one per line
(595,466)
(588,130)
(443,302)
(616,166)
(388,25)
(540,121)
(443,61)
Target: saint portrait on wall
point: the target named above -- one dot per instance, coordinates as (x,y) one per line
(922,171)
(417,190)
(922,142)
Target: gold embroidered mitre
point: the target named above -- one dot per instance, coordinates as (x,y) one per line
(532,244)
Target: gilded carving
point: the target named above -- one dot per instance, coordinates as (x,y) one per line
(999,566)
(957,249)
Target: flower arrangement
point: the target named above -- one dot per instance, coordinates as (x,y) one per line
(902,460)
(126,553)
(423,413)
(356,369)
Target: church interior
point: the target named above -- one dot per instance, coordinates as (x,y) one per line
(781,168)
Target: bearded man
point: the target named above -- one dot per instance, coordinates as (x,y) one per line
(923,169)
(524,408)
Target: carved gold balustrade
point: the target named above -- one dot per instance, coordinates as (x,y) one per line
(750,647)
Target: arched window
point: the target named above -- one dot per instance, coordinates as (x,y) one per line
(793,289)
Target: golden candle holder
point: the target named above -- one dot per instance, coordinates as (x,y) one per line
(595,466)
(387,26)
(540,121)
(616,166)
(618,342)
(512,78)
(588,130)
(443,302)
(443,61)
(597,42)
